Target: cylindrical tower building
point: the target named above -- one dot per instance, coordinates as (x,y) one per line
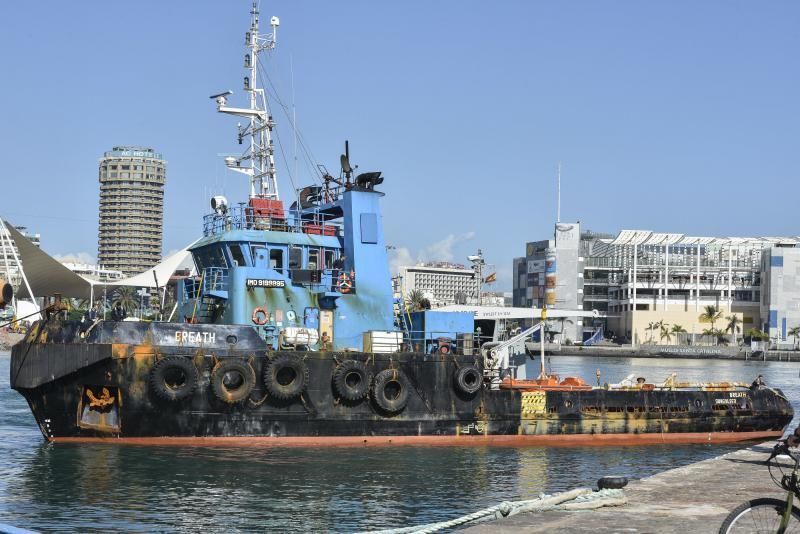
(131,209)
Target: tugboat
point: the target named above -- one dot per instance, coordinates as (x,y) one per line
(289,336)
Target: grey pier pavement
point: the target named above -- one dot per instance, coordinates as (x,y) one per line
(692,499)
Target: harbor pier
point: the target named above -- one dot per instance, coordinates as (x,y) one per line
(691,499)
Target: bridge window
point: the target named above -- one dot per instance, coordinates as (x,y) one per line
(237,255)
(210,257)
(329,256)
(276,259)
(295,258)
(313,258)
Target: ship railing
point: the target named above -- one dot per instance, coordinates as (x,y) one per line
(213,279)
(248,218)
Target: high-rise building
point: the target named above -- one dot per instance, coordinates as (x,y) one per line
(131,209)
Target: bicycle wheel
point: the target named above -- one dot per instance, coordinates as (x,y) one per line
(760,515)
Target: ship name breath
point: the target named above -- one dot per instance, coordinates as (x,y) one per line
(182,336)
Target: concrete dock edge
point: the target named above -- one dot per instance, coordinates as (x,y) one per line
(692,499)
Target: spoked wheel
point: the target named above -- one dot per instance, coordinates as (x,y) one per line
(760,515)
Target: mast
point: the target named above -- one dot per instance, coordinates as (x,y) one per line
(258,158)
(558,200)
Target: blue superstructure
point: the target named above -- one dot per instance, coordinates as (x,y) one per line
(321,266)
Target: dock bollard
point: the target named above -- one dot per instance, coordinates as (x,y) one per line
(612,482)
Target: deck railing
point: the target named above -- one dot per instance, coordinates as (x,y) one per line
(246,218)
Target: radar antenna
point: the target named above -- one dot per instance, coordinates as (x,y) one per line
(260,152)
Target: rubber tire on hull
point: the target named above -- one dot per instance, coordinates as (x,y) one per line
(351,380)
(764,512)
(468,380)
(391,379)
(159,376)
(285,377)
(221,372)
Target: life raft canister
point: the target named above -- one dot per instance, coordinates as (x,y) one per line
(260,316)
(173,378)
(345,285)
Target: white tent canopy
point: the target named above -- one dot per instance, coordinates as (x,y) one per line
(47,276)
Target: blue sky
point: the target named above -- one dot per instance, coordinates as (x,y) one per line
(670,116)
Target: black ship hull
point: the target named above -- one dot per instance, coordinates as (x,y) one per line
(117,382)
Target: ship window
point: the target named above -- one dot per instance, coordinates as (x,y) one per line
(313,258)
(295,258)
(276,259)
(329,255)
(210,257)
(237,255)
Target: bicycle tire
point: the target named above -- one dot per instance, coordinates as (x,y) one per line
(760,515)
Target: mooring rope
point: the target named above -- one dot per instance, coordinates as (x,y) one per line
(577,499)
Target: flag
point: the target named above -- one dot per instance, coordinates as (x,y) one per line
(492,278)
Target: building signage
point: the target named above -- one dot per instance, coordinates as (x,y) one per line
(265,282)
(535,266)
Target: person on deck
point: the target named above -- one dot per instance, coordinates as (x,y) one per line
(758,383)
(118,313)
(325,342)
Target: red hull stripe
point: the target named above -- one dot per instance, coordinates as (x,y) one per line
(567,440)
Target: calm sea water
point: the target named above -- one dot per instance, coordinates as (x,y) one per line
(169,489)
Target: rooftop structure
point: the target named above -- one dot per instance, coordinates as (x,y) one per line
(131,209)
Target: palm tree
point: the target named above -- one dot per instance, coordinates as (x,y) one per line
(795,333)
(666,333)
(677,329)
(417,302)
(710,314)
(733,326)
(756,334)
(124,296)
(651,327)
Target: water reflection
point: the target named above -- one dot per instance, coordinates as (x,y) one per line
(138,489)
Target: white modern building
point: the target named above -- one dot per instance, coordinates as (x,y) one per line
(94,272)
(441,282)
(780,292)
(639,278)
